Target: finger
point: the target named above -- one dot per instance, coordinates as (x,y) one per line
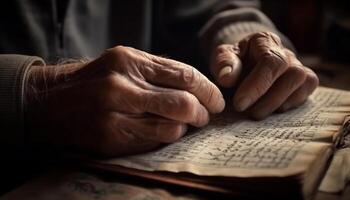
(165,72)
(151,127)
(302,93)
(169,73)
(170,103)
(284,86)
(271,65)
(225,66)
(177,105)
(261,43)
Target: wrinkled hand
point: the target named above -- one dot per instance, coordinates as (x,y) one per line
(267,76)
(126,101)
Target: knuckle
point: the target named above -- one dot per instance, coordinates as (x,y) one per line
(274,63)
(179,103)
(186,104)
(116,53)
(191,110)
(289,52)
(255,36)
(189,78)
(267,36)
(314,81)
(311,81)
(114,56)
(119,57)
(298,70)
(118,50)
(277,57)
(258,35)
(275,38)
(176,132)
(298,73)
(223,49)
(266,44)
(158,103)
(186,101)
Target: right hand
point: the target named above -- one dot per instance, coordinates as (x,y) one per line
(263,75)
(126,101)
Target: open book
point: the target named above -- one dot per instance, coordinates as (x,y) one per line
(283,155)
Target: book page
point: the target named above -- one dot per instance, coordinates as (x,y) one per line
(283,144)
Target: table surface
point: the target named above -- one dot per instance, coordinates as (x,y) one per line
(78,185)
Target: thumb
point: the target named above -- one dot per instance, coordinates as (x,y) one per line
(226,66)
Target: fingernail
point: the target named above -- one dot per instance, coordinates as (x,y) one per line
(243,104)
(225,71)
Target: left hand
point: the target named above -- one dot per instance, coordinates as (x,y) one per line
(267,76)
(124,102)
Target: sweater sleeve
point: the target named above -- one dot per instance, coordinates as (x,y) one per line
(13,74)
(232,25)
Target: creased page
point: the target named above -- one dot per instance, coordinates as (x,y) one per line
(283,144)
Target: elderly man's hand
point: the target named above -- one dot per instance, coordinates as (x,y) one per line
(266,75)
(126,101)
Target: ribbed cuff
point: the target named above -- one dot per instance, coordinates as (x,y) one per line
(13,71)
(231,26)
(235,32)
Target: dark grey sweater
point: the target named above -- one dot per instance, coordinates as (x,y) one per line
(53,29)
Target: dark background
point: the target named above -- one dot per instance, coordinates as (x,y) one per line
(311,24)
(320,31)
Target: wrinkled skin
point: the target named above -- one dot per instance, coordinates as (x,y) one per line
(267,76)
(127,101)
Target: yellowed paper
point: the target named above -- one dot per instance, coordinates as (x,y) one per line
(283,144)
(338,173)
